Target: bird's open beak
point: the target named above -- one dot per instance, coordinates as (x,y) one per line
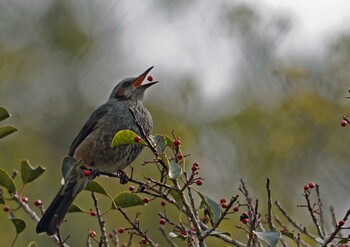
(141,78)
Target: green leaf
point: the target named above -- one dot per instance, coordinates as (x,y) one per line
(19,224)
(93,186)
(177,198)
(127,199)
(288,234)
(126,137)
(30,173)
(33,244)
(6,130)
(213,207)
(4,113)
(159,142)
(6,181)
(180,236)
(343,241)
(271,238)
(74,208)
(2,201)
(68,163)
(175,170)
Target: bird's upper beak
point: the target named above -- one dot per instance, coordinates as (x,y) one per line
(138,82)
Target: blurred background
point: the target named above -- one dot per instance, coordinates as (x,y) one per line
(252,88)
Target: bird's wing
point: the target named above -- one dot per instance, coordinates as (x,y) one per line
(88,127)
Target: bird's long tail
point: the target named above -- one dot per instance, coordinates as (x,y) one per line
(75,182)
(56,212)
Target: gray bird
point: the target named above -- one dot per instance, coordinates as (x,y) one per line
(93,145)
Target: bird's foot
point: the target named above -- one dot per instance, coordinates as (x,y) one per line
(123,177)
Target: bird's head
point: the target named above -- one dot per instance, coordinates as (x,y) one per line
(131,88)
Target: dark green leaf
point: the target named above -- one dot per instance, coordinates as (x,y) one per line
(288,234)
(125,137)
(127,199)
(19,224)
(177,198)
(175,170)
(68,163)
(30,173)
(33,244)
(271,238)
(343,241)
(3,113)
(2,201)
(6,181)
(93,186)
(75,209)
(213,207)
(6,130)
(180,236)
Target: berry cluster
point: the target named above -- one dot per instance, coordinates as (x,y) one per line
(311,185)
(244,218)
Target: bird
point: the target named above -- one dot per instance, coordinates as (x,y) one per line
(92,146)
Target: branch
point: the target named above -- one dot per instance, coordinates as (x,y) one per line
(269,205)
(309,207)
(337,229)
(101,221)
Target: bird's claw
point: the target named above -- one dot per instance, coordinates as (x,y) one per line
(123,177)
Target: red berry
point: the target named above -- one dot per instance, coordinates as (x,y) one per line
(92,234)
(38,203)
(341,222)
(143,241)
(177,142)
(93,213)
(306,187)
(245,221)
(146,200)
(131,188)
(245,214)
(224,205)
(343,123)
(24,199)
(199,182)
(236,209)
(163,203)
(137,139)
(196,164)
(150,78)
(6,208)
(180,156)
(121,229)
(162,221)
(222,200)
(312,185)
(194,168)
(87,173)
(111,235)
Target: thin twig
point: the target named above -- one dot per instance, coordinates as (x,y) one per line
(165,235)
(269,205)
(101,221)
(312,213)
(337,229)
(320,206)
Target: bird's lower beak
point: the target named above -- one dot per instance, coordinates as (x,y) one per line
(141,78)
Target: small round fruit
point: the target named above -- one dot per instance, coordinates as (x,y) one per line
(162,221)
(87,173)
(341,222)
(312,185)
(306,187)
(24,199)
(38,203)
(150,78)
(177,142)
(245,221)
(196,164)
(245,215)
(222,200)
(92,234)
(111,235)
(194,168)
(343,123)
(121,229)
(199,182)
(145,200)
(143,241)
(137,139)
(93,213)
(224,205)
(131,188)
(235,209)
(6,208)
(180,156)
(163,203)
